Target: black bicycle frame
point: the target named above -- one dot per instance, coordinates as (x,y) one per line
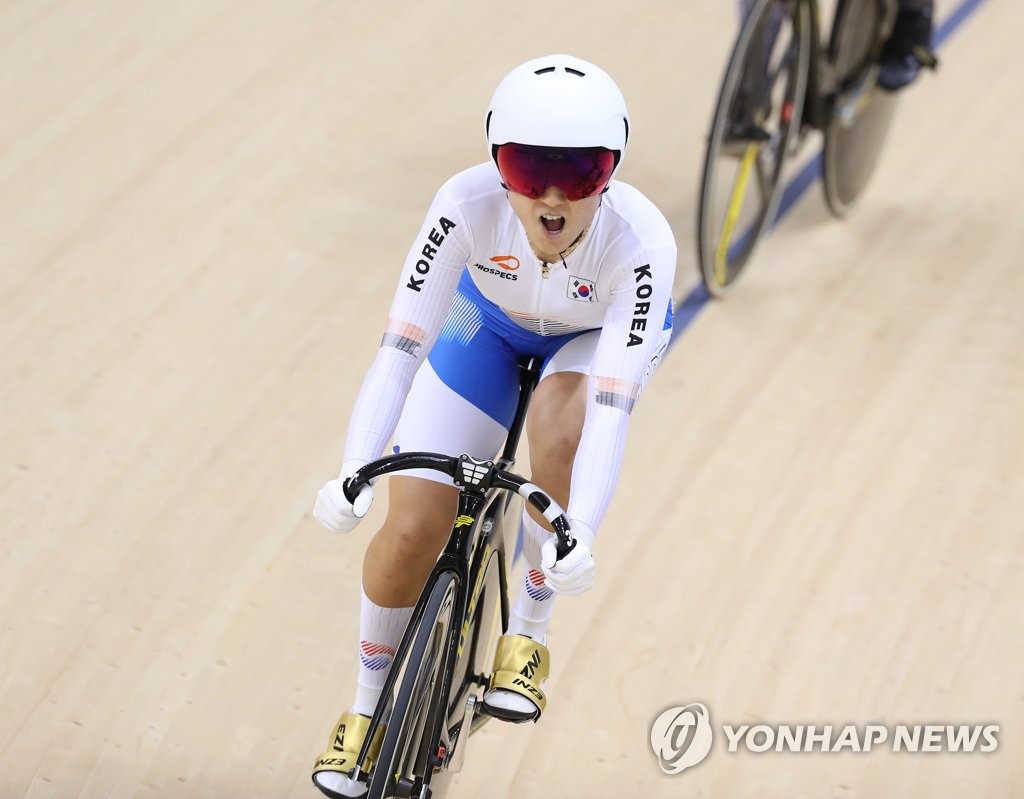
(825,87)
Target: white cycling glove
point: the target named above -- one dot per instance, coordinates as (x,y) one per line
(574,573)
(332,508)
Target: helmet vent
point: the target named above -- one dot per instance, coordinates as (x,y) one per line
(557,101)
(570,70)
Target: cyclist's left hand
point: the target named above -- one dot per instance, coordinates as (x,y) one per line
(574,573)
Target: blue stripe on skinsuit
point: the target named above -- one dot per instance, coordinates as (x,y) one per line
(476,352)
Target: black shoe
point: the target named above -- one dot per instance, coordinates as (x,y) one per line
(740,135)
(908,50)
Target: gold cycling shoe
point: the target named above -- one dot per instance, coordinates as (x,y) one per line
(521,666)
(340,757)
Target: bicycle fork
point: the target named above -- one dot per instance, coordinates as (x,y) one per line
(465,642)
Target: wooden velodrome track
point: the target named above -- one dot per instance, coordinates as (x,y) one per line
(203,209)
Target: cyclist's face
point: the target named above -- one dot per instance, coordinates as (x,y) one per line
(551,221)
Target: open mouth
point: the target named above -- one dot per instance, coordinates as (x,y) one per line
(554,225)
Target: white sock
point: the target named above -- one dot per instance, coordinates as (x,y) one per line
(380,633)
(531,612)
(340,783)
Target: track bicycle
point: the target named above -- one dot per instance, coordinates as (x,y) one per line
(782,82)
(432,700)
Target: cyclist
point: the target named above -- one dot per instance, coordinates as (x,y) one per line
(537,251)
(909,47)
(906,52)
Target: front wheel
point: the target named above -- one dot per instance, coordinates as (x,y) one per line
(757,119)
(407,754)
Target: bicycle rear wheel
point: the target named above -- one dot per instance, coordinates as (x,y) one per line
(861,115)
(756,120)
(407,753)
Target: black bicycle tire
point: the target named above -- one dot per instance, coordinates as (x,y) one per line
(452,712)
(381,782)
(863,138)
(726,92)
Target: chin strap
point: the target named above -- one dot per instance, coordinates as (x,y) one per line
(576,242)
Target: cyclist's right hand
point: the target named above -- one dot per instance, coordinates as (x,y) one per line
(573,573)
(332,508)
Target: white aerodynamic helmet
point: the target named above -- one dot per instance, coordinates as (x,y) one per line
(558,101)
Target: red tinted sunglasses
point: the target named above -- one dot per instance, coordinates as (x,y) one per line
(577,171)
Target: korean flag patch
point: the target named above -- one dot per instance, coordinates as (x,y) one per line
(582,290)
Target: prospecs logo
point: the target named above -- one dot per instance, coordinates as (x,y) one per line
(681,737)
(508,264)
